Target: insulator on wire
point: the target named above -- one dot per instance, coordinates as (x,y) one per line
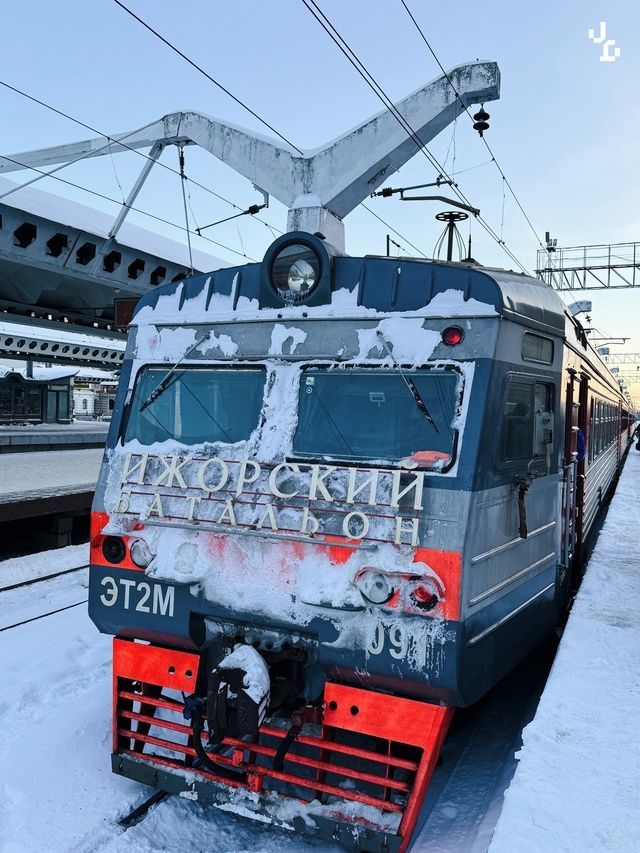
(481,124)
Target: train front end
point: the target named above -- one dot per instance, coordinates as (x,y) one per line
(278,533)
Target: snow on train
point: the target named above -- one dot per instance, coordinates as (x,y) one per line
(340,497)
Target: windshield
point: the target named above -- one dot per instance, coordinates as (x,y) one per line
(371,414)
(196,406)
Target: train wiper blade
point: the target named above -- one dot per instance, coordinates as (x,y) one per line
(164,383)
(408,381)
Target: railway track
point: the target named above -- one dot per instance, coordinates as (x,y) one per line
(41,579)
(43,615)
(60,591)
(140,812)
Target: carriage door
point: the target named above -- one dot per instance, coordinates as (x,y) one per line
(581,470)
(570,481)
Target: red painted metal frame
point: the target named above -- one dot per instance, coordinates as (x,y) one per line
(140,672)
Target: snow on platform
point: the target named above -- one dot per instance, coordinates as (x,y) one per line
(16,438)
(24,476)
(577,785)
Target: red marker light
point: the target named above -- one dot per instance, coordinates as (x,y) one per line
(452,335)
(424,597)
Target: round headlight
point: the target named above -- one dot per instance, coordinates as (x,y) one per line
(114,549)
(375,587)
(295,271)
(140,553)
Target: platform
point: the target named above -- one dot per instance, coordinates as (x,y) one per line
(577,785)
(74,436)
(39,483)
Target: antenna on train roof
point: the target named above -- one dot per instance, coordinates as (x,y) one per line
(319,187)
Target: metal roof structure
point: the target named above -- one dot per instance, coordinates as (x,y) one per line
(59,265)
(62,263)
(60,272)
(319,187)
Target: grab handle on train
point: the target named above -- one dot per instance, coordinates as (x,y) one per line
(522,510)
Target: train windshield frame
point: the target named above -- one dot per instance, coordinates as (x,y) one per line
(369,415)
(198,405)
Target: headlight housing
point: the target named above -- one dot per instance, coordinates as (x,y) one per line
(295,272)
(114,550)
(375,587)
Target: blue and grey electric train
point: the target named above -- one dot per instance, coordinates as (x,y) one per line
(340,497)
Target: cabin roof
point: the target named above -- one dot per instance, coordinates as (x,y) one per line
(362,287)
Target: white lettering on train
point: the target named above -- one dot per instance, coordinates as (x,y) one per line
(140,596)
(172,471)
(156,506)
(122,503)
(310,523)
(399,642)
(270,515)
(401,524)
(396,490)
(140,466)
(224,475)
(243,480)
(350,530)
(397,495)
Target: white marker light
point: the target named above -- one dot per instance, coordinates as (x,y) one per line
(375,587)
(140,553)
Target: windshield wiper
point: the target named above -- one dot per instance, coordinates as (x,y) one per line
(408,381)
(163,384)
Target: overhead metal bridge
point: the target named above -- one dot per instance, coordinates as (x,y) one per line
(598,267)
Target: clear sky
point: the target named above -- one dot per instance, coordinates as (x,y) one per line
(565,129)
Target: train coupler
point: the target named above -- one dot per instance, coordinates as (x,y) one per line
(354,770)
(238,692)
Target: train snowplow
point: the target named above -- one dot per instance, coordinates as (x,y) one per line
(354,769)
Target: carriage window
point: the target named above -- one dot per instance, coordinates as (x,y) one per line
(372,415)
(517,422)
(196,406)
(537,348)
(523,431)
(602,427)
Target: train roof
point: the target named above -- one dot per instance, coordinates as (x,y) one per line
(359,287)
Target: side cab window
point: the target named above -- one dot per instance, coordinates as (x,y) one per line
(526,421)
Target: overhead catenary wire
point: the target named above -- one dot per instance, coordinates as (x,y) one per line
(377,89)
(119,142)
(244,105)
(466,109)
(115,175)
(115,201)
(73,161)
(344,47)
(384,222)
(471,168)
(207,75)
